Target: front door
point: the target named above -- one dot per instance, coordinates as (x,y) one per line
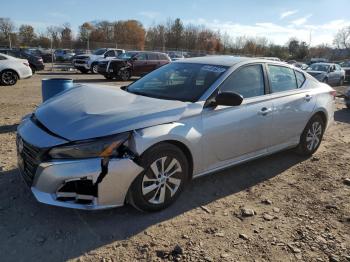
(238,132)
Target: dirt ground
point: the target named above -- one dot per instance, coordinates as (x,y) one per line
(279,208)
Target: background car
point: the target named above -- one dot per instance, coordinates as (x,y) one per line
(328,73)
(46,54)
(133,63)
(12,69)
(346,67)
(63,55)
(176,55)
(35,62)
(89,62)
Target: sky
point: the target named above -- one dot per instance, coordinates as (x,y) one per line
(312,21)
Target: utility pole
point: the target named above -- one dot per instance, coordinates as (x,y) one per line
(10,41)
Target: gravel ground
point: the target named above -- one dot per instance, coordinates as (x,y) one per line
(279,208)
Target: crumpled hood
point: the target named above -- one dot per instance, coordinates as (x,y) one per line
(87,111)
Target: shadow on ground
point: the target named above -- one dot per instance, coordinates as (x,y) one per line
(35,231)
(63,73)
(8,128)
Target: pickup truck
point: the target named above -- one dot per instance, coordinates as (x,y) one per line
(89,62)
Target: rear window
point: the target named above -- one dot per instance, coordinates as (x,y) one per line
(281,78)
(300,78)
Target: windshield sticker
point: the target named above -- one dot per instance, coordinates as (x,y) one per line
(215,69)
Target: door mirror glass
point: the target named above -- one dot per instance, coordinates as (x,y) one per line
(228,99)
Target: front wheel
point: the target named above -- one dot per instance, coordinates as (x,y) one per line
(8,78)
(124,75)
(312,136)
(33,69)
(163,179)
(94,68)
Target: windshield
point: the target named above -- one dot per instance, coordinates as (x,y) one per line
(100,51)
(318,67)
(178,81)
(127,55)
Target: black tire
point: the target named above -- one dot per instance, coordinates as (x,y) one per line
(124,75)
(33,69)
(308,143)
(83,71)
(8,77)
(94,68)
(325,80)
(148,188)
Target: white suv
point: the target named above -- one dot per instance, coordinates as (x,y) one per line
(12,69)
(88,62)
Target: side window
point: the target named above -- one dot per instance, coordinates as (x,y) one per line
(300,78)
(281,78)
(110,53)
(118,52)
(338,67)
(152,56)
(162,57)
(247,81)
(142,56)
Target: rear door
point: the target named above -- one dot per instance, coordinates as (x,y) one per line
(153,62)
(293,104)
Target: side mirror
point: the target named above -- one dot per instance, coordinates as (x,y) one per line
(227,99)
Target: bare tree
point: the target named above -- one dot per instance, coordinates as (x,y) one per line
(6,29)
(26,34)
(342,38)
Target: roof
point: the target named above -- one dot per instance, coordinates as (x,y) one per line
(223,60)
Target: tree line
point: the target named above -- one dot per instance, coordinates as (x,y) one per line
(171,35)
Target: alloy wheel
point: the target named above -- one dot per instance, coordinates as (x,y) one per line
(313,136)
(94,69)
(162,180)
(124,75)
(9,78)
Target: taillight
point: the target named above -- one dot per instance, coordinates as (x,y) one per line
(333,93)
(25,63)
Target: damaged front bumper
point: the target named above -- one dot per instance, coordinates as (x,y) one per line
(77,184)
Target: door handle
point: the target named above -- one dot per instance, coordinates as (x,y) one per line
(264,111)
(308,97)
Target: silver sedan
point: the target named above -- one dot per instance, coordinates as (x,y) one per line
(95,147)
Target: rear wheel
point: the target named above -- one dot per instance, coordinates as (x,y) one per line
(165,175)
(8,78)
(312,136)
(33,69)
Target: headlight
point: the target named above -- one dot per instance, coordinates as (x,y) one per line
(103,147)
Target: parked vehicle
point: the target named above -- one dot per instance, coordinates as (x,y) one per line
(89,62)
(95,147)
(271,58)
(12,69)
(63,55)
(318,60)
(133,63)
(175,55)
(346,67)
(47,55)
(328,73)
(35,62)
